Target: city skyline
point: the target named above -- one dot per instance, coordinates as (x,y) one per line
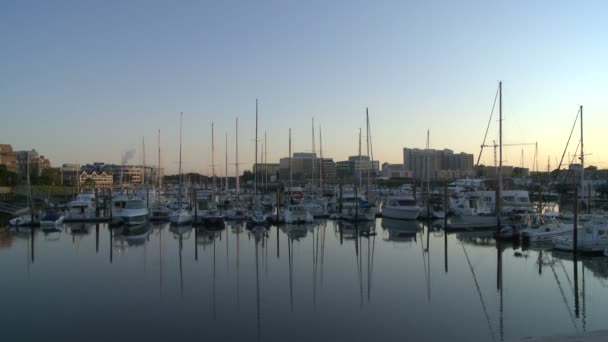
(86,83)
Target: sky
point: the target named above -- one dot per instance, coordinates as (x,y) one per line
(86,81)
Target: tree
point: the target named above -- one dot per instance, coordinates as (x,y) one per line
(7,178)
(89,184)
(246,177)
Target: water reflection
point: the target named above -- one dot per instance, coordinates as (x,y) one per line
(272,280)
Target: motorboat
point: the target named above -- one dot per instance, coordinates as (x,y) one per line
(356,208)
(135,212)
(23,220)
(592,238)
(401,207)
(546,232)
(180,216)
(296,213)
(52,219)
(159,212)
(82,207)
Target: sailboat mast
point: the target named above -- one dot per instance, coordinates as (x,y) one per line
(255,173)
(159,180)
(290,175)
(359,161)
(226,166)
(581,193)
(428,171)
(369,170)
(499,192)
(213,160)
(143,147)
(313,153)
(321,160)
(179,191)
(236,163)
(265,162)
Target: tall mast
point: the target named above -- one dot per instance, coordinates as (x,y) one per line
(290,175)
(359,161)
(213,160)
(236,163)
(499,192)
(428,168)
(313,153)
(159,180)
(143,147)
(255,166)
(369,170)
(581,193)
(179,191)
(265,162)
(226,166)
(321,161)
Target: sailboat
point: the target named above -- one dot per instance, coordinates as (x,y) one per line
(294,211)
(159,210)
(210,214)
(180,215)
(256,217)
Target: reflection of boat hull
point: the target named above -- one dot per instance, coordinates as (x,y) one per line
(400,225)
(471,222)
(401,212)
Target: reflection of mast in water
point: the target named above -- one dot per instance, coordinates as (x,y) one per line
(160,261)
(445,248)
(111,242)
(258,233)
(426,261)
(499,286)
(290,260)
(97,238)
(483,304)
(181,274)
(214,311)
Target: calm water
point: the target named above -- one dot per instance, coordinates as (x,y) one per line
(296,283)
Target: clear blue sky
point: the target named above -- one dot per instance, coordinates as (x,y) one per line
(83,81)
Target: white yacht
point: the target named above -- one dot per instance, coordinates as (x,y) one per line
(356,208)
(135,212)
(402,207)
(180,216)
(296,213)
(118,204)
(82,207)
(593,238)
(546,232)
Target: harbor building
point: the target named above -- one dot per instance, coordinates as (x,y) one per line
(442,164)
(70,174)
(102,180)
(395,171)
(37,163)
(125,176)
(306,166)
(357,166)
